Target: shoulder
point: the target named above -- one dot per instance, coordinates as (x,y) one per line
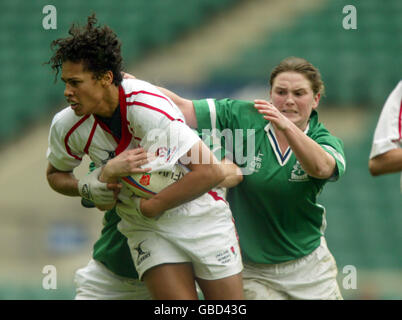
(235,105)
(147,103)
(66,118)
(319,133)
(230,108)
(133,87)
(394,100)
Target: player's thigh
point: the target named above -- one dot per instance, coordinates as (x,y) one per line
(229,288)
(172,281)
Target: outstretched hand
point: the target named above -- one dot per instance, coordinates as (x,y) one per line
(271,113)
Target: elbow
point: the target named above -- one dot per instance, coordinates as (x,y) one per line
(322,172)
(215,174)
(373,168)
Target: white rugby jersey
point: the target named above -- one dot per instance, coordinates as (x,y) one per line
(388,133)
(149,119)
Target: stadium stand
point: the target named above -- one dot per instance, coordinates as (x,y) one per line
(359,66)
(26,84)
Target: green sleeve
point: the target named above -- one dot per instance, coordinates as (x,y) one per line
(222,115)
(334,146)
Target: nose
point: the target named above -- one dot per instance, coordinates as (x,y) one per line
(67,91)
(289,99)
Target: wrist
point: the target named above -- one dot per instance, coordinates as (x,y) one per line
(106,174)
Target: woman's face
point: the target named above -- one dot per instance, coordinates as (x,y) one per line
(292,95)
(82,90)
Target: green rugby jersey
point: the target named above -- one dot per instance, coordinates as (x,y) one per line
(275,207)
(111,249)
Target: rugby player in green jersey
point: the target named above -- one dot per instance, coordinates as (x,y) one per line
(279,221)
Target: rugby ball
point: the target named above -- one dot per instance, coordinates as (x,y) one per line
(146,185)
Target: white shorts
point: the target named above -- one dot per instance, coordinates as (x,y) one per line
(312,277)
(201,232)
(96,282)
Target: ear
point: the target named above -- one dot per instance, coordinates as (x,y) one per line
(316,100)
(107,78)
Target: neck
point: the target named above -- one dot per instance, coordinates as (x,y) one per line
(109,103)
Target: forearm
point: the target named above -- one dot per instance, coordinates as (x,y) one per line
(389,162)
(191,186)
(63,182)
(315,161)
(205,173)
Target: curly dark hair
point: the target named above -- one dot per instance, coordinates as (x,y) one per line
(97,47)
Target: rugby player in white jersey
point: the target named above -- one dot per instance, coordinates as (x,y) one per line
(386,150)
(183,233)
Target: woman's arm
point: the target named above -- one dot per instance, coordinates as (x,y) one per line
(206,173)
(388,162)
(312,157)
(62,182)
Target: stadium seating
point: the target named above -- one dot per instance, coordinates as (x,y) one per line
(363,214)
(358,66)
(26,85)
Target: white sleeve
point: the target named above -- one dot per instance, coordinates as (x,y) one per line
(388,135)
(57,154)
(160,125)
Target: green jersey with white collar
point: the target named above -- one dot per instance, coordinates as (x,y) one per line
(275,207)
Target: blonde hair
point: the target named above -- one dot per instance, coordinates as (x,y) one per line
(302,66)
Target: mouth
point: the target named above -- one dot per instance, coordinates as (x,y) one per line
(289,111)
(73,105)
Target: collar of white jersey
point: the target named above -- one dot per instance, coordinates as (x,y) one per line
(282,158)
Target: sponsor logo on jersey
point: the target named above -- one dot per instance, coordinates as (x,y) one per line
(142,255)
(255,164)
(145,179)
(298,174)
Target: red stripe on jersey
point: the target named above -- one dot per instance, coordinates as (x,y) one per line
(91,135)
(149,93)
(69,134)
(153,108)
(214,195)
(125,134)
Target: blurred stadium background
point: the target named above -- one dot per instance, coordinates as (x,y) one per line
(201,48)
